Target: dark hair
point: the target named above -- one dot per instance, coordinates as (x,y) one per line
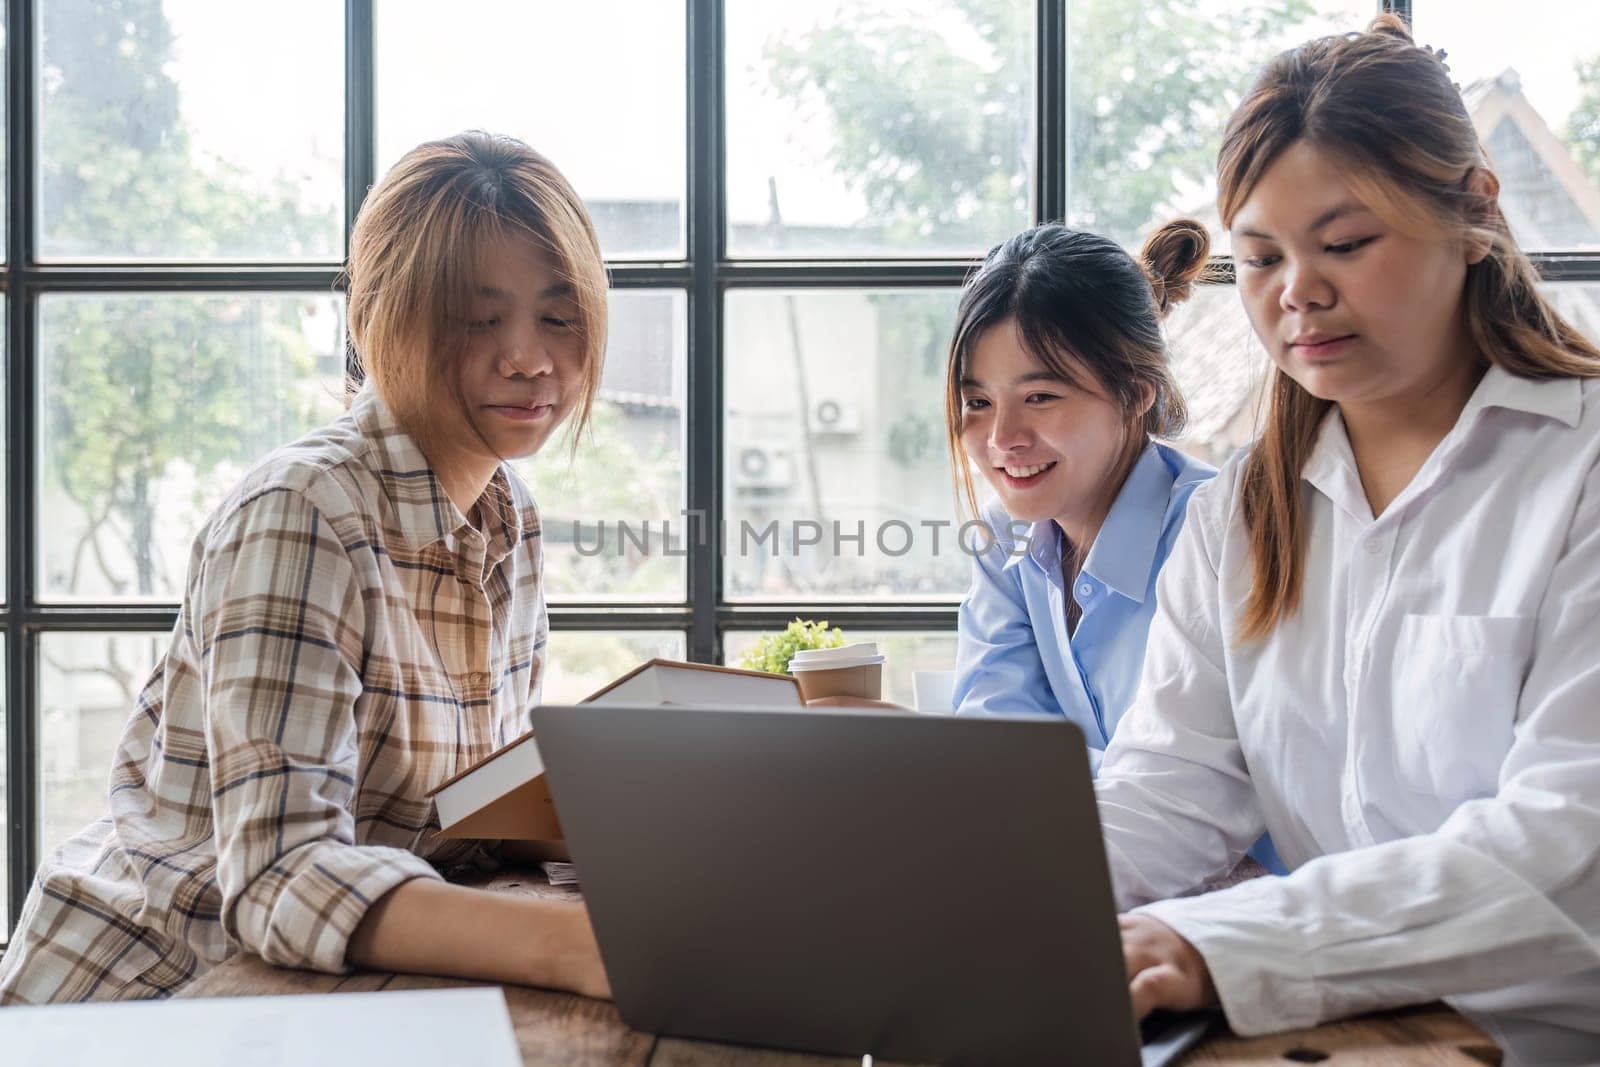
(1421,168)
(1082,305)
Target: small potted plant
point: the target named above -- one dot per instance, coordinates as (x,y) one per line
(773,652)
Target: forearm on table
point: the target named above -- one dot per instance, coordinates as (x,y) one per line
(425,926)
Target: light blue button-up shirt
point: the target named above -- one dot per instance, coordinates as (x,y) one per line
(1014,655)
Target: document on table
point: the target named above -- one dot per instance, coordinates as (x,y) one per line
(412,1028)
(559,873)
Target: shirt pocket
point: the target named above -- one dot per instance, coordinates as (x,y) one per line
(1457,682)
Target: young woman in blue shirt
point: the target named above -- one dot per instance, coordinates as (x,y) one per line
(1057,386)
(1058,392)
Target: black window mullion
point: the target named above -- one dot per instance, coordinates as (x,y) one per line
(707,240)
(851,616)
(1402,7)
(360,141)
(630,617)
(846,274)
(308,278)
(1051,168)
(360,132)
(22,714)
(1568,266)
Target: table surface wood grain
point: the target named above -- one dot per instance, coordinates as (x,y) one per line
(563,1028)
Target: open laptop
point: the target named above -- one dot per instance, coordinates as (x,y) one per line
(849,881)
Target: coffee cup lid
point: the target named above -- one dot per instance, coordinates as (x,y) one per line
(861,654)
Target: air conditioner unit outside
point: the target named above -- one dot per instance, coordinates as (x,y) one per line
(834,415)
(763,469)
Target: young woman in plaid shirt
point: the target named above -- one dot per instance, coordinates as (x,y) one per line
(364,616)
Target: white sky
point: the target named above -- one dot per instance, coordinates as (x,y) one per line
(596,86)
(1539,38)
(264,87)
(599,85)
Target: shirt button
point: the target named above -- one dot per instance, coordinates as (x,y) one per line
(1374,546)
(477,678)
(1086,589)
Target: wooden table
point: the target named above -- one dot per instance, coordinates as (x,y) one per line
(567,1029)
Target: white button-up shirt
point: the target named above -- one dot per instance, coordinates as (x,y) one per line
(1421,739)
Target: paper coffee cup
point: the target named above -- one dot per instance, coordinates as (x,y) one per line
(851,671)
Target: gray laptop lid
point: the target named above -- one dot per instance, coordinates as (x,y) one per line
(846,881)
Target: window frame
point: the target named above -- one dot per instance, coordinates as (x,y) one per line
(706,276)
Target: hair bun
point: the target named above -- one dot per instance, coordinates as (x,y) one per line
(1174,257)
(1389,24)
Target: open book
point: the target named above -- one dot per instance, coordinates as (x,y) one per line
(504,796)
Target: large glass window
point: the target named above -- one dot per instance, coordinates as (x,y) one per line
(1531,80)
(190,130)
(579,663)
(88,684)
(613,511)
(1579,305)
(878,127)
(151,408)
(1150,84)
(598,87)
(837,478)
(789,197)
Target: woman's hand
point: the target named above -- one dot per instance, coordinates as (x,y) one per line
(1164,970)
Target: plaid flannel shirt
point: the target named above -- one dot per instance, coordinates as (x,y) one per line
(347,640)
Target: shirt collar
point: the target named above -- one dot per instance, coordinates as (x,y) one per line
(502,517)
(1331,467)
(1044,547)
(1124,550)
(424,512)
(1560,399)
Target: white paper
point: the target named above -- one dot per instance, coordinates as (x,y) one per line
(559,873)
(409,1028)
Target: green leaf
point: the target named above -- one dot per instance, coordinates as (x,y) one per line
(773,652)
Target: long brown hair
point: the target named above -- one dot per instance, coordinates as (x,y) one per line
(1082,304)
(1420,167)
(414,255)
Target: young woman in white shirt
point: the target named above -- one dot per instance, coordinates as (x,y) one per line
(1378,637)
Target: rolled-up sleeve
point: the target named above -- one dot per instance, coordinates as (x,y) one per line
(281,636)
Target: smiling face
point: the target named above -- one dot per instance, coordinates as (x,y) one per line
(1354,310)
(1049,448)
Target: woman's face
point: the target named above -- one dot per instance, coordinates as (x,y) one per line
(1048,448)
(1353,310)
(522,371)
